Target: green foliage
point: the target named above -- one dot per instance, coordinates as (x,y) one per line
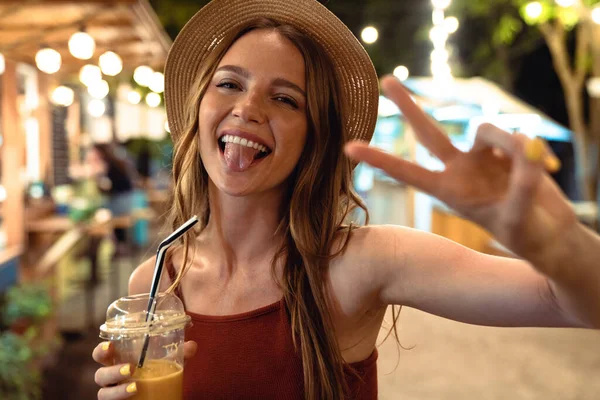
(591,2)
(547,11)
(18,379)
(174,14)
(568,17)
(30,302)
(507,30)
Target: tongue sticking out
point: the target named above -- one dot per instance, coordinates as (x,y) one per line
(238,157)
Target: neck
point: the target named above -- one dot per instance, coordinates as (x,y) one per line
(242,229)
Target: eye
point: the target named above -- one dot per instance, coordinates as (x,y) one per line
(287,100)
(228,85)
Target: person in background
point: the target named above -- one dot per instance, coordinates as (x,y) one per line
(114,176)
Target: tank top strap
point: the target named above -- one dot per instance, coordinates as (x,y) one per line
(172,276)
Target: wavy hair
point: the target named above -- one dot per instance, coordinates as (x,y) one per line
(314,212)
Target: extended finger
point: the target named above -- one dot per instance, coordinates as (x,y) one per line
(490,136)
(123,391)
(427,131)
(103,353)
(396,167)
(107,376)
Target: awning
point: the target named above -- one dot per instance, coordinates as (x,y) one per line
(129,28)
(477,100)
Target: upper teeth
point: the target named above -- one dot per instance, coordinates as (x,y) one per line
(243,142)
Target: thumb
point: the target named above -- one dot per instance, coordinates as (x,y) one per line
(526,176)
(189,349)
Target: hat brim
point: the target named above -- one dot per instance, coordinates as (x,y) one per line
(353,67)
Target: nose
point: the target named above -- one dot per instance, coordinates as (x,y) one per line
(249,108)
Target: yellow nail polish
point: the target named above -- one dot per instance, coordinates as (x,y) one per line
(534,150)
(552,163)
(105,346)
(131,388)
(125,370)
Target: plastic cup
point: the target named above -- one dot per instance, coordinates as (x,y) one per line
(161,376)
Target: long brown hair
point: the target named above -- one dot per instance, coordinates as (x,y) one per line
(314,212)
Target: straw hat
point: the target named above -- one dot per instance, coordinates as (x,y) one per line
(353,67)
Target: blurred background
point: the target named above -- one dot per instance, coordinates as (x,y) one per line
(85,176)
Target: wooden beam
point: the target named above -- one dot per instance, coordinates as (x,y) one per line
(38,37)
(150,22)
(54,2)
(62,46)
(116,23)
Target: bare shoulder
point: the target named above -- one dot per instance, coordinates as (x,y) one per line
(141,278)
(373,244)
(358,271)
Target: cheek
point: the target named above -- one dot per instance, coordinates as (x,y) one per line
(296,137)
(209,117)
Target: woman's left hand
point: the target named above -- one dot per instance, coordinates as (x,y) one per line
(500,183)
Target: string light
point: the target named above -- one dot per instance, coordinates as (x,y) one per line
(96,108)
(442,28)
(88,74)
(99,89)
(2,64)
(369,35)
(110,63)
(153,99)
(143,75)
(451,24)
(565,3)
(441,4)
(534,9)
(157,82)
(134,97)
(438,36)
(401,72)
(82,45)
(596,15)
(62,96)
(48,60)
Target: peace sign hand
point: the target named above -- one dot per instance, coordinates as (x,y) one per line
(500,183)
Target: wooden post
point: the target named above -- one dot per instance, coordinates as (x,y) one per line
(12,158)
(42,114)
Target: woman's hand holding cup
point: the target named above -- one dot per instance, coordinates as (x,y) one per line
(114,378)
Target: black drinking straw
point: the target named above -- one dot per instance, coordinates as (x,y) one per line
(158,266)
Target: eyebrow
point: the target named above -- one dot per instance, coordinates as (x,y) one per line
(243,72)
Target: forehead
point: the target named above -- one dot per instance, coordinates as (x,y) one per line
(265,52)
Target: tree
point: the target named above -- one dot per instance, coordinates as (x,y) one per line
(556,22)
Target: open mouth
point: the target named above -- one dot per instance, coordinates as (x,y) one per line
(240,153)
(261,151)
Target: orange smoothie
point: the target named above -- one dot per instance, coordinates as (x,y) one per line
(159,380)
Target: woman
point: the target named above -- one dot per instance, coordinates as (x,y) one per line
(114,177)
(287,301)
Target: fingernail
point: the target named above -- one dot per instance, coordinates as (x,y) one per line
(534,150)
(105,346)
(131,388)
(552,163)
(125,370)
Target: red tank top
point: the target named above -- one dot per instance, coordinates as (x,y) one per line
(252,356)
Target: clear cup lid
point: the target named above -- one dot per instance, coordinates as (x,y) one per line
(126,317)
